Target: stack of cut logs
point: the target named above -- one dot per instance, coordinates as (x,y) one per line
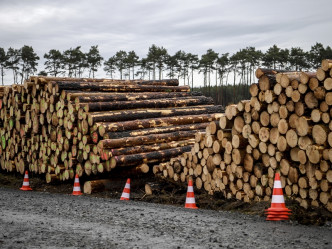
(286,126)
(62,126)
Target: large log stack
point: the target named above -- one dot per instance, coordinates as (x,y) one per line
(286,126)
(62,126)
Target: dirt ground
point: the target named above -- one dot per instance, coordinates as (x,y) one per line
(171,193)
(36,219)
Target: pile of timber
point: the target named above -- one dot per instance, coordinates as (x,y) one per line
(286,126)
(63,126)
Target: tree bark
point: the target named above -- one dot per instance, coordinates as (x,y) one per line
(157,122)
(149,139)
(125,160)
(126,115)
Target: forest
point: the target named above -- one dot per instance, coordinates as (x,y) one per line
(226,77)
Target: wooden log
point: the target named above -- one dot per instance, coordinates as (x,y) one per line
(314,153)
(310,100)
(158,122)
(238,124)
(266,71)
(149,131)
(321,74)
(328,98)
(113,116)
(319,134)
(326,64)
(125,160)
(291,138)
(111,87)
(149,139)
(303,127)
(253,89)
(107,154)
(287,77)
(224,122)
(266,81)
(97,186)
(305,76)
(149,103)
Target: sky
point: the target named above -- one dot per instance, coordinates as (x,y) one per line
(189,25)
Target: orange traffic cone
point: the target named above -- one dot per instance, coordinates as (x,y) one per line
(190,199)
(126,191)
(77,186)
(26,185)
(278,210)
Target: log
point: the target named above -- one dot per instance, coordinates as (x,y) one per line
(266,71)
(310,100)
(84,97)
(305,76)
(149,139)
(149,131)
(97,186)
(326,64)
(127,115)
(125,160)
(158,122)
(319,134)
(107,154)
(149,103)
(111,87)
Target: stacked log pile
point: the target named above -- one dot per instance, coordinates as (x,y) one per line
(286,126)
(62,126)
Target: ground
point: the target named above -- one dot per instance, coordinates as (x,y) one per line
(50,217)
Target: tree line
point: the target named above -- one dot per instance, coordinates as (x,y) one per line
(226,77)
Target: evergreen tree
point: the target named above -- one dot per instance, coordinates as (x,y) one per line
(157,56)
(297,59)
(3,63)
(14,57)
(74,61)
(110,66)
(93,59)
(316,55)
(54,62)
(192,63)
(121,61)
(132,61)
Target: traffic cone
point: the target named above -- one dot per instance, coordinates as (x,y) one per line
(278,210)
(26,185)
(190,199)
(126,191)
(77,186)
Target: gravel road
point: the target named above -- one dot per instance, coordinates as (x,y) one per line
(50,220)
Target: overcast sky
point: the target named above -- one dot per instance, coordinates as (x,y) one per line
(190,25)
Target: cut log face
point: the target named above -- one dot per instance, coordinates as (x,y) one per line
(302,128)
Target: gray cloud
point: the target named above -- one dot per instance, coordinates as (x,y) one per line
(193,26)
